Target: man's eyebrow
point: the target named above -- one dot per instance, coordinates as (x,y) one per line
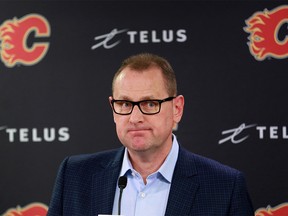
(150,97)
(124,98)
(141,99)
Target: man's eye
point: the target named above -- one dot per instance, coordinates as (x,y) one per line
(150,104)
(126,104)
(123,104)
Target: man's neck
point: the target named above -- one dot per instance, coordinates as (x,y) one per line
(146,162)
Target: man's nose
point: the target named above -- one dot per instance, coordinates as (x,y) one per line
(136,115)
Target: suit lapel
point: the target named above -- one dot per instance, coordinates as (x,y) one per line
(183,188)
(104,185)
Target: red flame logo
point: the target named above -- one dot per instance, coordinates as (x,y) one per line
(264,28)
(13,37)
(33,209)
(280,210)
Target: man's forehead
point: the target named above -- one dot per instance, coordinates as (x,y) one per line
(143,71)
(136,85)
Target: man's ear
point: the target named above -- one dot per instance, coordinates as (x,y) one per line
(110,102)
(178,108)
(110,99)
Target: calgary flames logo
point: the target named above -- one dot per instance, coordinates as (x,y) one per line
(14,37)
(264,33)
(280,210)
(34,209)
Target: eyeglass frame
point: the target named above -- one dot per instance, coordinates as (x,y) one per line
(138,104)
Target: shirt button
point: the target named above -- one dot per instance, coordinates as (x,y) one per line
(142,195)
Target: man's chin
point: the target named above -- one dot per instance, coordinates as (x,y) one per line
(138,145)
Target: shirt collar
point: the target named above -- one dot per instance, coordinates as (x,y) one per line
(166,169)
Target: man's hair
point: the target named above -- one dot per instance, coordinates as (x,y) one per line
(144,61)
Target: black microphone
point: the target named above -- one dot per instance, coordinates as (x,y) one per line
(122,182)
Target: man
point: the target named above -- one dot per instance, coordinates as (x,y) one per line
(163,177)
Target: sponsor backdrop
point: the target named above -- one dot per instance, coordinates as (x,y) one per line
(58,59)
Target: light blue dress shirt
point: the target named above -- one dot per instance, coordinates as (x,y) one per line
(151,199)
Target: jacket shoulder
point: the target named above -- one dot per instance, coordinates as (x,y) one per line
(95,161)
(206,166)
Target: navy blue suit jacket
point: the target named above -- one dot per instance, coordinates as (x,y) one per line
(86,185)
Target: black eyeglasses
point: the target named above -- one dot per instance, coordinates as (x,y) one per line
(147,107)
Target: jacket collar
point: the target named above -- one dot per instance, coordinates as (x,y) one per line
(104,184)
(183,188)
